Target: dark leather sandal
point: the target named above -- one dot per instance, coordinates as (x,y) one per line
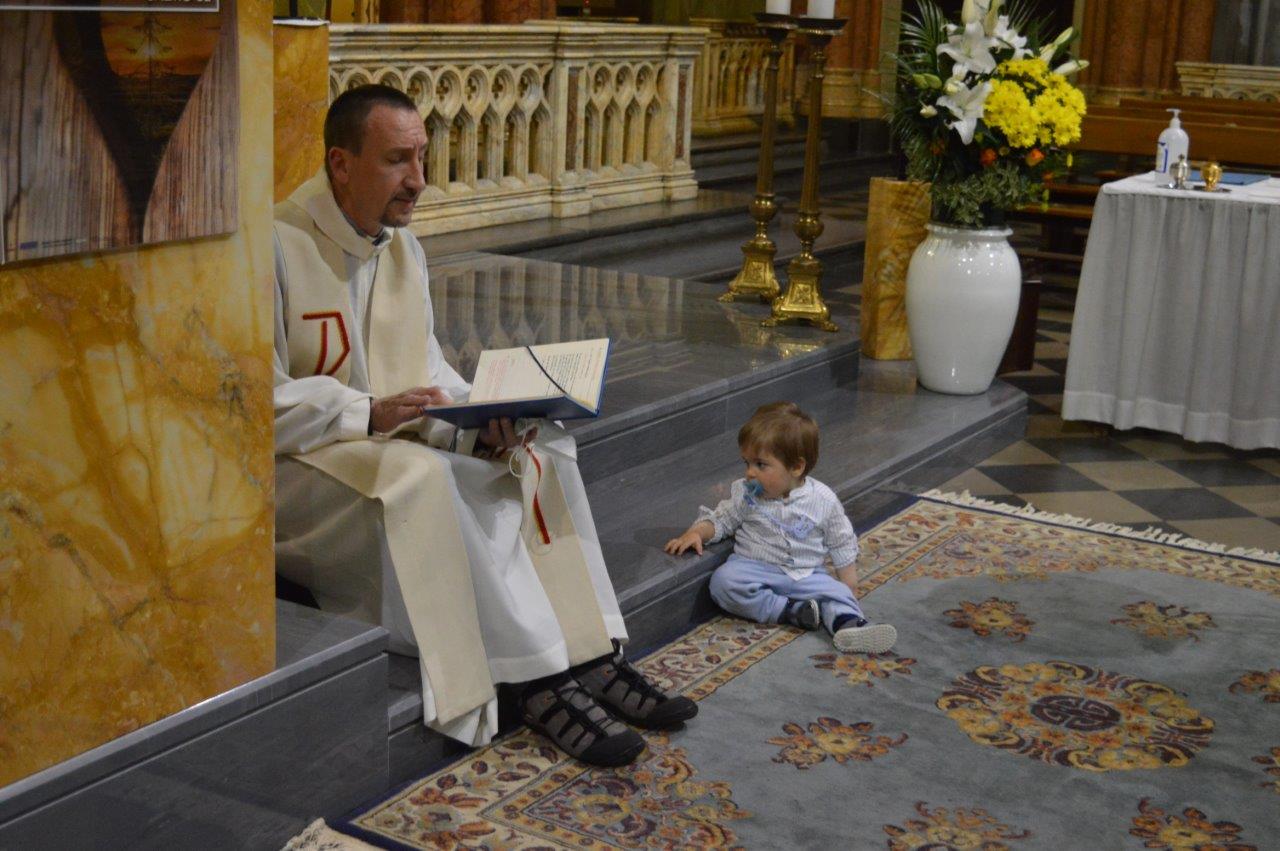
(619,687)
(567,714)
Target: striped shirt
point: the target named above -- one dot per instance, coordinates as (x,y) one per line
(796,533)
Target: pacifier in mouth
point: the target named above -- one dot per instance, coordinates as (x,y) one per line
(754,490)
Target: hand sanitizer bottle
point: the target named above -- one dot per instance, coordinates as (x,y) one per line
(1173,143)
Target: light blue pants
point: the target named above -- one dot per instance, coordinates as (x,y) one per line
(759,591)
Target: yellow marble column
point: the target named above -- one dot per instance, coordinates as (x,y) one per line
(301,82)
(896,215)
(136,470)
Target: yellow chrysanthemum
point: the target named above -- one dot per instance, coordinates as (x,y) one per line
(1036,70)
(1061,106)
(1008,110)
(1033,106)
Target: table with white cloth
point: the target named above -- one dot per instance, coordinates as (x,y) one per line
(1177,320)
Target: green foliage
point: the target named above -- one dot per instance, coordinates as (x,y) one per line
(981,198)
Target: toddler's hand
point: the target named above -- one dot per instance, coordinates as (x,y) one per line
(676,546)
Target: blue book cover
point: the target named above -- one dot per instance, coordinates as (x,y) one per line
(1230,178)
(555,381)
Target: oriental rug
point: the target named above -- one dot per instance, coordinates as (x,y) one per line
(1056,684)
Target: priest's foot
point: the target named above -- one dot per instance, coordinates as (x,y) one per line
(628,694)
(563,711)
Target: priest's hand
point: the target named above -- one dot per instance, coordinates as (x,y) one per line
(390,412)
(498,437)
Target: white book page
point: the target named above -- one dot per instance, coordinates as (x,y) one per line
(578,367)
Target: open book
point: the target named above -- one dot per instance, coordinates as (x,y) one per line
(555,381)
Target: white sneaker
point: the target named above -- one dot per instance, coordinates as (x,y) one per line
(871,638)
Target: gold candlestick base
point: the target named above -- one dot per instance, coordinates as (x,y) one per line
(756,278)
(803,301)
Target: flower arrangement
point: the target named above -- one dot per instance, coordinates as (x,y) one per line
(982,111)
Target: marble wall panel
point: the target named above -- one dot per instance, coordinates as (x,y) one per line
(455,11)
(302,89)
(517,11)
(1133,46)
(136,518)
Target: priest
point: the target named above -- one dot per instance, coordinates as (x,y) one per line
(477,551)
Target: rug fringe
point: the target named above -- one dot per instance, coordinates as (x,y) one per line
(1030,512)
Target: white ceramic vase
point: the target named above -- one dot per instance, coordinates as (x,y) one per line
(963,287)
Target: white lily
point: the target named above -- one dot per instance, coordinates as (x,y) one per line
(966,105)
(989,22)
(973,10)
(1051,50)
(1066,69)
(970,50)
(1009,37)
(928,111)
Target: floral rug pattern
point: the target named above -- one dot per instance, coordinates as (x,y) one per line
(958,828)
(1068,714)
(1171,621)
(829,737)
(991,615)
(863,668)
(947,736)
(1267,683)
(1271,763)
(1189,830)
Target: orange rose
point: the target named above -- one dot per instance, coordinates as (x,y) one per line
(988,157)
(1034,157)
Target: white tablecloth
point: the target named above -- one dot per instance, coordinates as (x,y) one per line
(1177,322)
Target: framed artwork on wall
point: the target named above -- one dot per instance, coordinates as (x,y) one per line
(119,124)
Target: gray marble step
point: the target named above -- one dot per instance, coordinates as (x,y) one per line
(247,768)
(745,148)
(879,431)
(699,251)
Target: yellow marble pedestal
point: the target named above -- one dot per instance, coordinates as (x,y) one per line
(301,82)
(896,216)
(136,472)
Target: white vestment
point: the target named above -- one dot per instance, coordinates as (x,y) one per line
(528,611)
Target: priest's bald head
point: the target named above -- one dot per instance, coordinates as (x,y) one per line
(374,146)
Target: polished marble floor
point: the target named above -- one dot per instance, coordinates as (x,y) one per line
(1139,478)
(671,339)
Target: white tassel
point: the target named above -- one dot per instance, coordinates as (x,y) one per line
(1155,536)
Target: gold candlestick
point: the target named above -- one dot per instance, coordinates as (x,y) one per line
(803,300)
(756,279)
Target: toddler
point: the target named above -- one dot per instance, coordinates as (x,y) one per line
(785,525)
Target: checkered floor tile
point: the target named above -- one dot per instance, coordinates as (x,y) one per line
(1139,478)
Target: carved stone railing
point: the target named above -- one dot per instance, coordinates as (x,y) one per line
(728,89)
(537,120)
(1239,82)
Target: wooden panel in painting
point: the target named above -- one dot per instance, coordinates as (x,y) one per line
(119,128)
